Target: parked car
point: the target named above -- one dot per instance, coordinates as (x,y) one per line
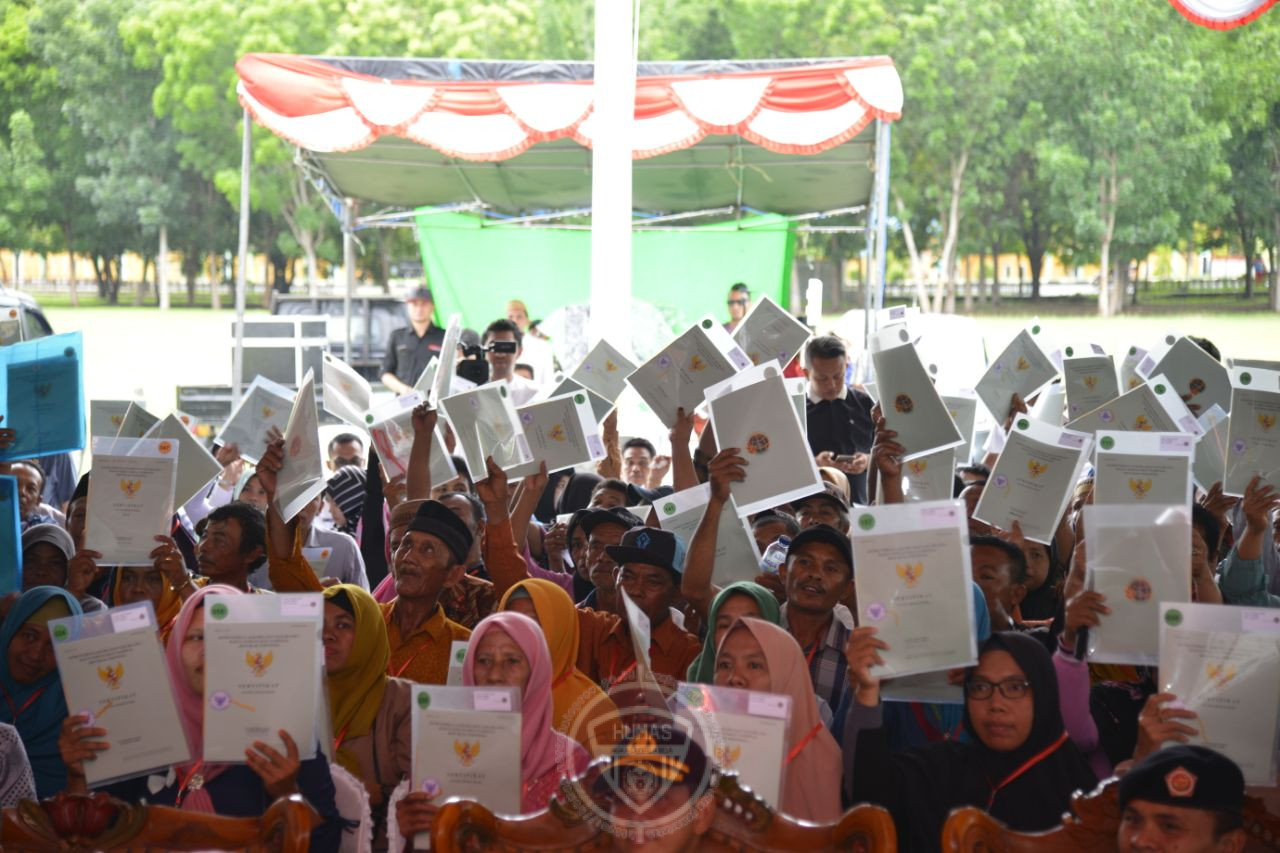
(21,318)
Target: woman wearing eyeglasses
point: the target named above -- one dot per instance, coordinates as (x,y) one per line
(1021,766)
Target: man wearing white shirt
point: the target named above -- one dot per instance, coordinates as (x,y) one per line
(537,350)
(498,340)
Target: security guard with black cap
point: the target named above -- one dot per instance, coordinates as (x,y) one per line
(411,348)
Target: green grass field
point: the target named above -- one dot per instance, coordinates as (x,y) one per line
(146,353)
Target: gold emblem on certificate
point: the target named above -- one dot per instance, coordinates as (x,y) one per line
(757,443)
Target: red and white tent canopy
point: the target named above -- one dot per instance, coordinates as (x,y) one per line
(1222,14)
(798,110)
(359,118)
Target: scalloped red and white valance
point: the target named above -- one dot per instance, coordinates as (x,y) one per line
(1221,14)
(796,110)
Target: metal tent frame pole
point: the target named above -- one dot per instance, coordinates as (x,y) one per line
(348,269)
(877,231)
(237,356)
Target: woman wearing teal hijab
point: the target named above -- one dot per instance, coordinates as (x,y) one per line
(738,599)
(31,689)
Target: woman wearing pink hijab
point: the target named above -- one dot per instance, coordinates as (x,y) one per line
(758,655)
(236,790)
(509,650)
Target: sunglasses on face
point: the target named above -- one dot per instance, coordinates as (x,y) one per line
(738,302)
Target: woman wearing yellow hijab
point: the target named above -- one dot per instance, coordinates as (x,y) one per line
(580,709)
(372,726)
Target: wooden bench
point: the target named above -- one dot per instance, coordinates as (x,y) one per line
(100,822)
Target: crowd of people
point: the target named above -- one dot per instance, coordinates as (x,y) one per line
(529,574)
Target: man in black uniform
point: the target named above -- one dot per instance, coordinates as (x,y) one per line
(411,348)
(838,415)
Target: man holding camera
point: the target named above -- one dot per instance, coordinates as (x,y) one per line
(502,348)
(411,348)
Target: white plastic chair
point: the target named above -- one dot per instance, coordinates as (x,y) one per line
(353,804)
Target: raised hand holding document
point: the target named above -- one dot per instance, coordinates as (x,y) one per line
(1023,368)
(1253,439)
(485,423)
(1143,468)
(562,432)
(684,369)
(604,371)
(112,670)
(1033,479)
(264,406)
(770,333)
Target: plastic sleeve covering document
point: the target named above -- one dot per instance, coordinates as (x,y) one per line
(1253,439)
(1023,368)
(682,371)
(392,435)
(265,404)
(1138,557)
(196,465)
(130,498)
(1223,662)
(909,402)
(136,423)
(485,424)
(736,558)
(1210,463)
(913,584)
(963,408)
(466,744)
(1090,381)
(741,731)
(1033,479)
(346,393)
(561,431)
(42,394)
(1143,467)
(113,670)
(1150,407)
(760,421)
(301,476)
(106,417)
(262,658)
(770,333)
(604,371)
(1195,376)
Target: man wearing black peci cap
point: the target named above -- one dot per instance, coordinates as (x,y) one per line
(1182,799)
(410,349)
(819,574)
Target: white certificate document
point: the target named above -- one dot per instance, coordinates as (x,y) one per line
(318,559)
(913,584)
(392,434)
(1138,557)
(1090,381)
(466,744)
(561,385)
(301,477)
(442,382)
(798,388)
(262,657)
(561,431)
(604,371)
(427,378)
(681,372)
(265,404)
(909,401)
(1143,468)
(741,731)
(1195,375)
(485,423)
(962,406)
(1150,407)
(106,417)
(760,420)
(1210,463)
(196,465)
(1223,662)
(130,498)
(136,422)
(770,333)
(347,394)
(1023,368)
(112,669)
(1034,478)
(736,557)
(1253,439)
(1129,378)
(930,478)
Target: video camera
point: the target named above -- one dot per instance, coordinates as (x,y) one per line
(473,367)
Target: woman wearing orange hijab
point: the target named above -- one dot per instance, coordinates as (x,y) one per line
(580,709)
(758,655)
